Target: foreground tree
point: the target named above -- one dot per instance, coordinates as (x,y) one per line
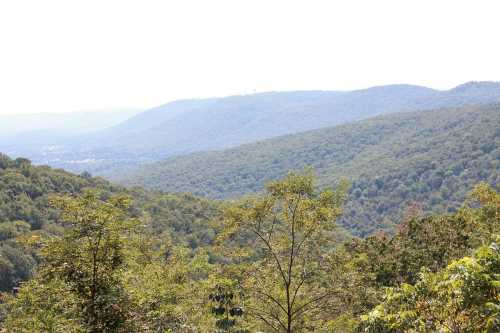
(166,291)
(89,257)
(290,229)
(464,297)
(451,294)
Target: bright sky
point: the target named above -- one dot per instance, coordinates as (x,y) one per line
(68,55)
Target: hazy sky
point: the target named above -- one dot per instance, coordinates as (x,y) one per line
(68,55)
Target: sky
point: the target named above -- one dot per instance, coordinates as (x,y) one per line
(68,55)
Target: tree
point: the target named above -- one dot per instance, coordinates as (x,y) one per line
(431,241)
(485,218)
(9,230)
(166,290)
(42,307)
(291,229)
(89,257)
(463,297)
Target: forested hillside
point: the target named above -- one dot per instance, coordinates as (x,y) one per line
(197,125)
(25,192)
(187,126)
(280,266)
(430,158)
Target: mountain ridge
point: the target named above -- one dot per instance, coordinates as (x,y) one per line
(186,126)
(444,152)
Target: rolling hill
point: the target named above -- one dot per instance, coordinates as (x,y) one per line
(431,157)
(199,125)
(187,126)
(25,190)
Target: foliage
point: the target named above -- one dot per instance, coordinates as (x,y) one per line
(158,259)
(432,158)
(43,307)
(25,191)
(166,292)
(104,268)
(90,256)
(226,302)
(291,225)
(486,218)
(15,266)
(420,242)
(430,241)
(463,297)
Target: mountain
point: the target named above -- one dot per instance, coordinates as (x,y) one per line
(187,126)
(198,125)
(393,161)
(230,121)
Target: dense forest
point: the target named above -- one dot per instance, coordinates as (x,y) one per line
(82,255)
(25,191)
(430,158)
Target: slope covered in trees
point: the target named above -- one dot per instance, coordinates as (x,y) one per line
(197,125)
(187,126)
(25,192)
(432,158)
(287,273)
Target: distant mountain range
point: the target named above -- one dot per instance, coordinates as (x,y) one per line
(431,158)
(187,126)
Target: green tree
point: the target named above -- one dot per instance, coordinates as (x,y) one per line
(431,241)
(42,307)
(463,297)
(9,230)
(166,291)
(289,229)
(486,217)
(90,257)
